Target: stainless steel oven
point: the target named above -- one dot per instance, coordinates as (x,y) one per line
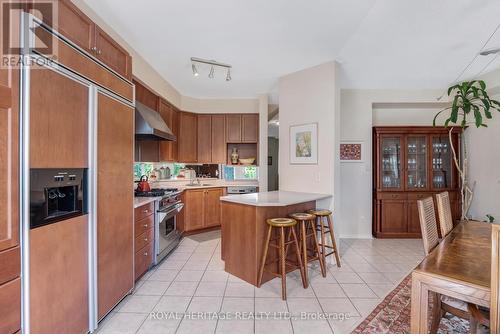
(166,235)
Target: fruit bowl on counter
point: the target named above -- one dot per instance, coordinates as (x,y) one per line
(246,161)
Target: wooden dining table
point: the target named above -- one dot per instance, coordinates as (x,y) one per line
(459,267)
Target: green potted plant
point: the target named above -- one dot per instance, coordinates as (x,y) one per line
(470,105)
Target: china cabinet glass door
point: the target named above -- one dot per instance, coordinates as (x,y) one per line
(390,168)
(442,160)
(416,162)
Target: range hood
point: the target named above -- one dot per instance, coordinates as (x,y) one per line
(149,125)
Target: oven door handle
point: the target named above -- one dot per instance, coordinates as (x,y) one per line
(178,207)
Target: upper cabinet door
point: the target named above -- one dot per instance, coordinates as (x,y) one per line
(416,163)
(113,54)
(204,138)
(145,96)
(250,128)
(72,24)
(219,149)
(442,163)
(391,156)
(188,138)
(166,147)
(233,128)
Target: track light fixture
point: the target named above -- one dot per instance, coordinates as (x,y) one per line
(213,64)
(195,71)
(489,52)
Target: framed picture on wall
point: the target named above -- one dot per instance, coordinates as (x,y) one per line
(304,144)
(352,151)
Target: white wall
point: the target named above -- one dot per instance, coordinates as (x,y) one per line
(147,74)
(484,158)
(225,106)
(308,96)
(397,107)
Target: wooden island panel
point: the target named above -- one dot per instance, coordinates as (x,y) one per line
(243,235)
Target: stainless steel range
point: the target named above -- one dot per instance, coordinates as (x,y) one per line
(166,235)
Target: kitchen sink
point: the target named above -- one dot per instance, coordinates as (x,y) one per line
(200,185)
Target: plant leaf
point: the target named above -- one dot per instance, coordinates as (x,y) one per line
(482,84)
(454,110)
(452,88)
(477,116)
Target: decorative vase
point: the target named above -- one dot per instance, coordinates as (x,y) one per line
(234,156)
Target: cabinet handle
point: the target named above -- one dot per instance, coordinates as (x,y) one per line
(146,239)
(146,225)
(394,196)
(99,52)
(94,49)
(145,253)
(146,211)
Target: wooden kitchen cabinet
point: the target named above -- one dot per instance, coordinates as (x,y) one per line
(194,211)
(204,139)
(219,147)
(10,306)
(242,128)
(9,163)
(112,54)
(147,151)
(233,128)
(211,139)
(188,137)
(249,128)
(145,96)
(201,208)
(144,239)
(115,220)
(167,111)
(212,207)
(74,25)
(410,163)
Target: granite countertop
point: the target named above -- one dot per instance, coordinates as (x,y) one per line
(183,185)
(140,201)
(274,198)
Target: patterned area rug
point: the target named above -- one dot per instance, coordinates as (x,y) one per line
(393,314)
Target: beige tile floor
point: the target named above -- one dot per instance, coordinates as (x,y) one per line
(190,287)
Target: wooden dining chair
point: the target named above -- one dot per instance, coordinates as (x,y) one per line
(443,303)
(444,212)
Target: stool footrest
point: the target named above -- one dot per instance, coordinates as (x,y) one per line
(326,246)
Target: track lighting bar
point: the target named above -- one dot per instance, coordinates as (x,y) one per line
(209,62)
(212,64)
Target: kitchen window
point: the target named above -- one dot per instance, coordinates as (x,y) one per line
(241,173)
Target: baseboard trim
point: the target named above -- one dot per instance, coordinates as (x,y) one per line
(356,236)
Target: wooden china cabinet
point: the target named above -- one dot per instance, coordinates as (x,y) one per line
(411,163)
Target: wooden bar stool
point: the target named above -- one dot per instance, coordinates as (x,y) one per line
(321,216)
(307,221)
(281,243)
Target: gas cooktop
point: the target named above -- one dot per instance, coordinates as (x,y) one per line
(155,192)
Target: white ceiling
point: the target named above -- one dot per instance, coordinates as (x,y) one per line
(379,43)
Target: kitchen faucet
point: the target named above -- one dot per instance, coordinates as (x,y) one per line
(192,181)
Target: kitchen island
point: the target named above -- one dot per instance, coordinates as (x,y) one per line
(243,219)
